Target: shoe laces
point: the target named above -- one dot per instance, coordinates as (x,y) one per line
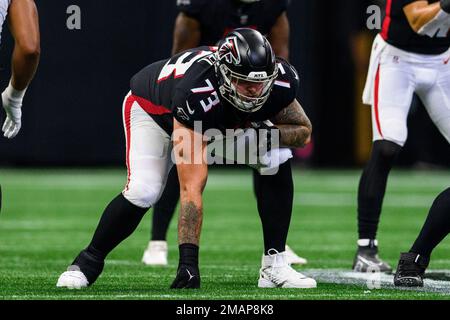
(157,247)
(279,261)
(73,267)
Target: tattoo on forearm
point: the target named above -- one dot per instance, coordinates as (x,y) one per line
(293,136)
(295,127)
(190,223)
(293,114)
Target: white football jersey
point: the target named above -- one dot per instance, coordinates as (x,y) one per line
(4,4)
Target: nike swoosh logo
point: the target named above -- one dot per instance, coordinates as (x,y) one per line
(191,111)
(190,275)
(446,61)
(369,262)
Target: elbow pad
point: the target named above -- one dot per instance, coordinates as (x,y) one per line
(438,26)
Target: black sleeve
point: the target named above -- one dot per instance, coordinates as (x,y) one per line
(272,10)
(192,8)
(278,6)
(290,76)
(187,109)
(284,91)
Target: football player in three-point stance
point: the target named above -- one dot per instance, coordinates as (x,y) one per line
(238,83)
(204,22)
(24,26)
(410,55)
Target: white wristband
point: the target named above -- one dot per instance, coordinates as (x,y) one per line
(14,93)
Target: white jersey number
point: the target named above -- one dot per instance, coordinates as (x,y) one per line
(179,68)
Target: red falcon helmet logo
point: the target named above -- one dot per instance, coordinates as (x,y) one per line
(229,51)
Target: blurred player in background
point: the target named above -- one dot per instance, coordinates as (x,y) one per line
(205,22)
(24,27)
(412,264)
(239,83)
(410,55)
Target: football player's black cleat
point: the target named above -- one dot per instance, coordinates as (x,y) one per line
(410,270)
(188,277)
(367,260)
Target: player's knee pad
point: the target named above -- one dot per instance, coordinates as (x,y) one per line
(385,150)
(395,131)
(142,194)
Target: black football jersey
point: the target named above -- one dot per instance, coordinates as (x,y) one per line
(218,17)
(397,31)
(186,88)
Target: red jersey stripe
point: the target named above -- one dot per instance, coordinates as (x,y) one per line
(387,21)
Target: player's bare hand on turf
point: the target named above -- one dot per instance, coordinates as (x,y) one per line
(188,277)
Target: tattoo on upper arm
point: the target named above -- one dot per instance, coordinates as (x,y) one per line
(293,114)
(190,223)
(295,127)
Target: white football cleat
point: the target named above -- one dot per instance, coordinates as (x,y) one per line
(276,272)
(73,278)
(156,254)
(293,258)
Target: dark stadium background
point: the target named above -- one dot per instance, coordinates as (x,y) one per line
(72,111)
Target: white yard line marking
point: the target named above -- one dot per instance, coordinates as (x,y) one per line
(340,276)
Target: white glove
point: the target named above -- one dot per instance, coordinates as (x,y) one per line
(271,161)
(12,103)
(236,149)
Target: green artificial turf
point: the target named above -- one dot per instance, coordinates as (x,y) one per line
(48,216)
